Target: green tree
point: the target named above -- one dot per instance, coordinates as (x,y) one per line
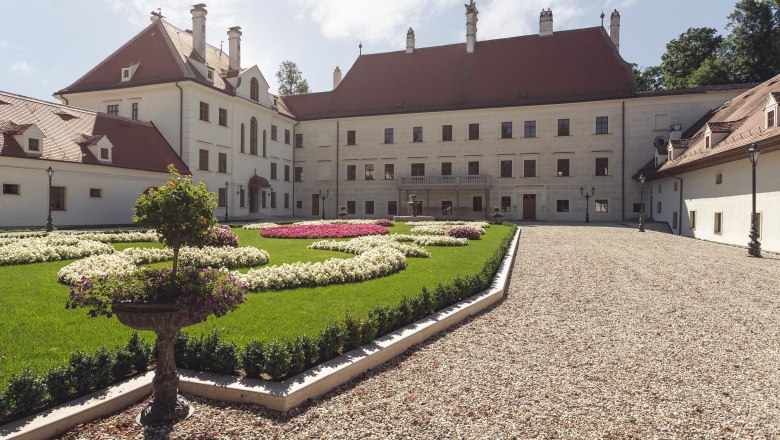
(713,71)
(687,53)
(753,46)
(648,79)
(291,81)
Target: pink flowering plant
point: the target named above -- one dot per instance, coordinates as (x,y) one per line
(222,236)
(384,222)
(324,231)
(463,232)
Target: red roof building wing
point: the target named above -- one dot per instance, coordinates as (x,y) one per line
(570,66)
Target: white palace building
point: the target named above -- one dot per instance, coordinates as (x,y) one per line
(519,124)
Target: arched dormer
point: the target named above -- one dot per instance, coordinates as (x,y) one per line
(254,90)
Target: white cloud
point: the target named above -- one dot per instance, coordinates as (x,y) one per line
(4,44)
(508,18)
(21,67)
(222,13)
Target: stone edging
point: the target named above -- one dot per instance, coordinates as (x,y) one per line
(279,396)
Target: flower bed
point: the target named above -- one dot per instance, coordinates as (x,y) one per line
(324,231)
(430,240)
(464,232)
(476,224)
(259,226)
(51,248)
(441,229)
(223,236)
(384,222)
(361,245)
(366,221)
(224,257)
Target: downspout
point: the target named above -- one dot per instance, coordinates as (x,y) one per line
(65,99)
(293,168)
(181,121)
(623,164)
(338,167)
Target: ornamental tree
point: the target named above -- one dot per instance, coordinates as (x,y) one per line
(180,211)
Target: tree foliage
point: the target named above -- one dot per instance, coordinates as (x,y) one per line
(686,53)
(649,79)
(754,43)
(291,81)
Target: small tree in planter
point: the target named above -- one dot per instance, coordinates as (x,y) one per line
(165,300)
(496,215)
(342,211)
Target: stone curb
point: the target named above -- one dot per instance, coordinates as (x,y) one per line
(279,396)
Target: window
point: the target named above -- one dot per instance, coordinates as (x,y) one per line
(675,186)
(125,74)
(264,145)
(718,223)
(350,207)
(446,168)
(11,188)
(262,199)
(476,204)
(660,188)
(273,199)
(112,109)
(392,207)
(286,200)
(104,154)
(446,133)
(242,138)
(203,160)
(563,167)
(506,130)
(273,133)
(351,172)
(210,74)
(562,206)
(707,142)
(389,171)
(718,178)
(223,117)
(221,197)
(506,204)
(389,136)
(254,90)
(473,168)
(299,174)
(222,162)
(253,137)
(299,204)
(602,206)
(287,173)
(57,198)
(418,169)
(770,119)
(34,144)
(473,132)
(602,166)
(674,220)
(287,137)
(273,171)
(658,207)
(506,168)
(529,168)
(369,207)
(95,193)
(299,140)
(446,207)
(350,137)
(417,134)
(692,219)
(204,111)
(529,129)
(241,198)
(134,111)
(563,127)
(369,172)
(602,124)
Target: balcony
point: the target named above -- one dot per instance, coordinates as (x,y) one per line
(444,182)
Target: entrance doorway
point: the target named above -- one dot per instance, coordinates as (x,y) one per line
(252,199)
(315,204)
(529,206)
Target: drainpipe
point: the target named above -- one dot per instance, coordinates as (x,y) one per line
(293,168)
(623,164)
(338,167)
(181,121)
(65,99)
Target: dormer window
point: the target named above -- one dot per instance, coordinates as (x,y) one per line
(104,154)
(34,145)
(770,119)
(125,73)
(707,142)
(129,71)
(210,74)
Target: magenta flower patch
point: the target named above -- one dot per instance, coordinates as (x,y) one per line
(324,231)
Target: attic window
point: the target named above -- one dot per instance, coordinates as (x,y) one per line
(34,145)
(4,103)
(210,74)
(66,116)
(770,119)
(104,154)
(129,71)
(126,73)
(707,142)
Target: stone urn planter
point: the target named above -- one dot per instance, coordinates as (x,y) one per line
(167,405)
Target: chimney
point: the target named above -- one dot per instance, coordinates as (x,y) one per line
(336,77)
(471,26)
(410,41)
(614,29)
(155,16)
(199,30)
(234,45)
(546,23)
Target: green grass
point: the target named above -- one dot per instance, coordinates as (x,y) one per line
(37,331)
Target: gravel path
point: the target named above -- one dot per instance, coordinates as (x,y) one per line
(606,333)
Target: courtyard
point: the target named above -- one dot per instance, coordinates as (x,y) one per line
(605,332)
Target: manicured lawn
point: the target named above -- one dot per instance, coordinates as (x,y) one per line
(37,331)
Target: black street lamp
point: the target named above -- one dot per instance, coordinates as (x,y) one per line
(227,196)
(49,223)
(323,196)
(642,181)
(754,247)
(587,196)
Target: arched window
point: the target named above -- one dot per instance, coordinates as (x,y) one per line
(242,137)
(254,90)
(253,136)
(264,152)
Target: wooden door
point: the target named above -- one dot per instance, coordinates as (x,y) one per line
(252,199)
(315,204)
(529,206)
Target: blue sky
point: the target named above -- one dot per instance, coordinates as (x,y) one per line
(46,45)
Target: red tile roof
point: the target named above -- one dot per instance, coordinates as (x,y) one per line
(569,66)
(137,145)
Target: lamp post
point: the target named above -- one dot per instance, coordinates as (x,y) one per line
(642,181)
(754,247)
(587,196)
(227,196)
(413,203)
(323,196)
(49,223)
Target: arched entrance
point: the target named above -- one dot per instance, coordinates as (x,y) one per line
(256,185)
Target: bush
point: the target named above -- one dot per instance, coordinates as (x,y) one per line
(384,222)
(297,356)
(221,356)
(463,232)
(25,392)
(404,314)
(83,372)
(310,347)
(253,359)
(277,360)
(103,368)
(353,333)
(384,323)
(222,236)
(123,364)
(59,383)
(370,330)
(330,341)
(140,353)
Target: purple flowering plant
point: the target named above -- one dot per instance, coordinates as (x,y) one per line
(463,232)
(222,236)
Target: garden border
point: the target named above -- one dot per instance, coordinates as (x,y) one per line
(279,396)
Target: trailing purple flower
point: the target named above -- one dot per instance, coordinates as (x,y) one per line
(222,236)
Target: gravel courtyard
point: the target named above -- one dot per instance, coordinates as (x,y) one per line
(606,333)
